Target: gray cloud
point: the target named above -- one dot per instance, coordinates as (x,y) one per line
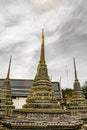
(65,24)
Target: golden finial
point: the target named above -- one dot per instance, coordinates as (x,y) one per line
(42,36)
(75,69)
(9,67)
(42,56)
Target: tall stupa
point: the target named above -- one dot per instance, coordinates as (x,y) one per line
(42,94)
(6,105)
(78,101)
(78,93)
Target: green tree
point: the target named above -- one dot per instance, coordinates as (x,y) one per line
(67,92)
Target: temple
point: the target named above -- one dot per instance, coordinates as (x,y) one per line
(42,111)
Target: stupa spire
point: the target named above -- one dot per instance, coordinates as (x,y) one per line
(42,56)
(8,73)
(42,94)
(76,78)
(6,97)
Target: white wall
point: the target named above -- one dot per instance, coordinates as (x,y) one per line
(19,102)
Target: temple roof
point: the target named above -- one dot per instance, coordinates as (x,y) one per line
(21,87)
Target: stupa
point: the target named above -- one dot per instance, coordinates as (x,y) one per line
(41,96)
(6,104)
(78,101)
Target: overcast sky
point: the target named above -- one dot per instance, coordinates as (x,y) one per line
(65,25)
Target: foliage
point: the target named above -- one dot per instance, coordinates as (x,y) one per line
(84,88)
(67,92)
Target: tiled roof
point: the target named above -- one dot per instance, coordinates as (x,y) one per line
(21,87)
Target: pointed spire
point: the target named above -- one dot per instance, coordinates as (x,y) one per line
(9,68)
(76,79)
(42,36)
(42,56)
